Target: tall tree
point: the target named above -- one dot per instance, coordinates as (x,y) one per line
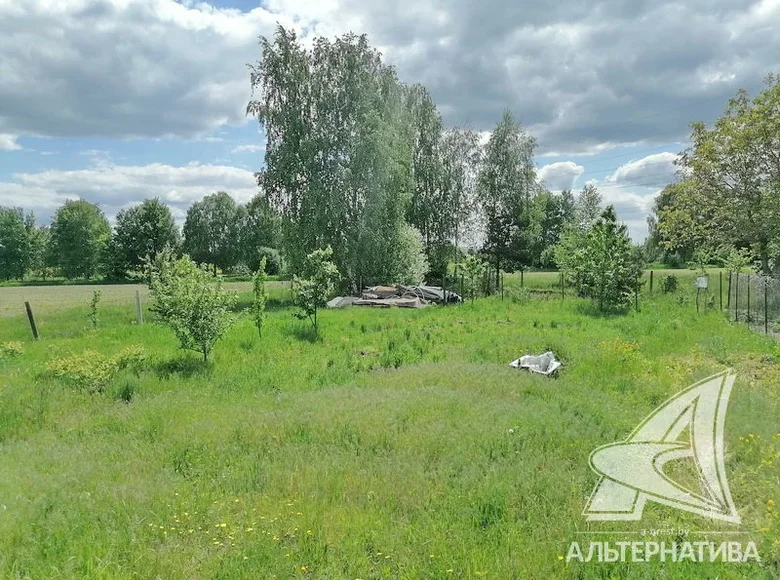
(429,210)
(141,231)
(261,229)
(461,155)
(339,151)
(79,236)
(211,231)
(506,183)
(14,243)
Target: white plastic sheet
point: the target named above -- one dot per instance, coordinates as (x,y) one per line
(543,364)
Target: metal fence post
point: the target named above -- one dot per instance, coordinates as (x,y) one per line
(748,299)
(651,281)
(736,299)
(720,289)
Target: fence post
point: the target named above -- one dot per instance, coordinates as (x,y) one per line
(502,286)
(522,283)
(728,296)
(31,318)
(736,299)
(720,289)
(563,288)
(766,307)
(636,292)
(139,313)
(748,299)
(651,281)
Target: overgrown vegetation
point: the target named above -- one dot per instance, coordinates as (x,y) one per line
(401,433)
(190,301)
(259,297)
(316,285)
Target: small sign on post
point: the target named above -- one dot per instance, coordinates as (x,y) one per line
(702,282)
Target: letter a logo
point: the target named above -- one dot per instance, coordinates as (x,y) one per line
(688,426)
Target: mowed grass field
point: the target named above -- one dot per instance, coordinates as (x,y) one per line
(398,445)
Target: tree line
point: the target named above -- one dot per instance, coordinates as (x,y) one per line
(80,243)
(355,160)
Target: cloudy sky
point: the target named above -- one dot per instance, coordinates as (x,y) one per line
(119,100)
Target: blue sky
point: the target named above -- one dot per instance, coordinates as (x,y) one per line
(118,100)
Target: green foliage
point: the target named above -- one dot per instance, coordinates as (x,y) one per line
(260,232)
(506,184)
(15,243)
(313,290)
(141,231)
(473,269)
(92,371)
(190,301)
(93,309)
(79,237)
(260,297)
(11,349)
(670,284)
(212,231)
(603,264)
(730,192)
(351,154)
(411,261)
(736,261)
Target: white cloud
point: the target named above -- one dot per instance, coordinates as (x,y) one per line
(653,170)
(560,175)
(122,68)
(249,149)
(117,186)
(8,142)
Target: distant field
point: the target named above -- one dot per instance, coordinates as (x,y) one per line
(45,299)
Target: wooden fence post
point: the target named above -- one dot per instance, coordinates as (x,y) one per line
(720,289)
(748,299)
(651,281)
(31,318)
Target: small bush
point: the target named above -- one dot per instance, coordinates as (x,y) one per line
(670,284)
(93,371)
(11,349)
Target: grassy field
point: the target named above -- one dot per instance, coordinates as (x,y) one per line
(398,445)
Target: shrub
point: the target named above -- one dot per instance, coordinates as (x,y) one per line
(670,284)
(473,269)
(603,263)
(93,371)
(191,301)
(93,309)
(11,349)
(318,282)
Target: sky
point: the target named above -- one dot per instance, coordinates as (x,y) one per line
(116,101)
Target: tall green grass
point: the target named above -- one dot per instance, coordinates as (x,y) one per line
(398,444)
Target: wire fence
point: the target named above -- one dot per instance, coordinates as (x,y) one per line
(755,300)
